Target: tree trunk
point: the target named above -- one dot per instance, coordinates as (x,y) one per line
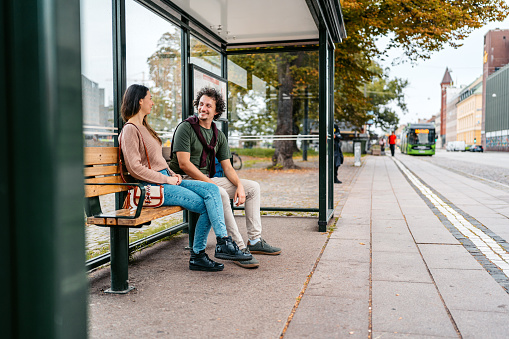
(284,148)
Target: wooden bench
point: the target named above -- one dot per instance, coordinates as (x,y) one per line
(102,176)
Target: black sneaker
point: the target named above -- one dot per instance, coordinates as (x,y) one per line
(227,249)
(202,262)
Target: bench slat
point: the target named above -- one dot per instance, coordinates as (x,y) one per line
(147,214)
(93,191)
(101,170)
(100,155)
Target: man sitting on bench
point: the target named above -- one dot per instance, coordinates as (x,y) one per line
(196,143)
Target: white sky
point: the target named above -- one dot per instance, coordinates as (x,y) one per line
(423,92)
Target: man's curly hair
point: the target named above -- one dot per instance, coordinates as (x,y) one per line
(216,96)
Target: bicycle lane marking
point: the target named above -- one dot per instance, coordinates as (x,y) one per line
(487,244)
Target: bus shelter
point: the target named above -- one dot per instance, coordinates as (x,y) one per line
(45,95)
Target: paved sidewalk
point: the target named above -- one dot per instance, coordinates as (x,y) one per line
(390,269)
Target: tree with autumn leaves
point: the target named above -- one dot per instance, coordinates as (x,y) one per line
(416,27)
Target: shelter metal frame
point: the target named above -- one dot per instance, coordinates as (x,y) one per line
(42,62)
(190,26)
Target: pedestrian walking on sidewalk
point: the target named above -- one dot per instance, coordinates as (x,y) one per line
(143,156)
(392,142)
(338,154)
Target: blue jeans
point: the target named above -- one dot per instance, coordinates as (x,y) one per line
(200,197)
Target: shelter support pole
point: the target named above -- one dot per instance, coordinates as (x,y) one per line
(325,141)
(41,179)
(119,237)
(330,131)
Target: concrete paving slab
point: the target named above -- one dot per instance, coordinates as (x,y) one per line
(415,210)
(393,241)
(470,290)
(299,330)
(412,308)
(399,266)
(346,251)
(330,317)
(346,280)
(448,256)
(433,235)
(389,225)
(473,324)
(391,213)
(353,219)
(345,230)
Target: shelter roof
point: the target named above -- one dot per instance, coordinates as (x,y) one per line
(247,22)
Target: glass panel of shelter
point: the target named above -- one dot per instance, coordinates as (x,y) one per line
(255,100)
(153,59)
(97,73)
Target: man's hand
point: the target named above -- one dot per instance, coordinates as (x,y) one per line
(240,195)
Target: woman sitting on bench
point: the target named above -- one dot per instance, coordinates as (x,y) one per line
(142,152)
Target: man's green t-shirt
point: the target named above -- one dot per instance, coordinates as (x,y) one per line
(186,140)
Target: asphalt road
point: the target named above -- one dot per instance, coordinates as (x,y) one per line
(493,166)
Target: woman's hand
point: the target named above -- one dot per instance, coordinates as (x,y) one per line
(174,180)
(179,178)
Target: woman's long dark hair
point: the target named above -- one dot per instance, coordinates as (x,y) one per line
(131,106)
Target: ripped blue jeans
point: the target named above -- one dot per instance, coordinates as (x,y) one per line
(200,197)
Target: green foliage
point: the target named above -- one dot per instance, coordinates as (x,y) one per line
(266,152)
(381,92)
(254,152)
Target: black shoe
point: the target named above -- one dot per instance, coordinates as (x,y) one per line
(202,262)
(336,181)
(227,249)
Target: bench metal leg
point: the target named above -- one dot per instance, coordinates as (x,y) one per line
(119,243)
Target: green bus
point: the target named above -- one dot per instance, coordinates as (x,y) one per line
(418,139)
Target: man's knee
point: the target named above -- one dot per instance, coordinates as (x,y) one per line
(251,187)
(224,195)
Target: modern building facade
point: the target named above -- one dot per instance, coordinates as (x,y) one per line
(497,111)
(496,56)
(469,113)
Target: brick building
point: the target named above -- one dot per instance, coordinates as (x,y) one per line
(446,82)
